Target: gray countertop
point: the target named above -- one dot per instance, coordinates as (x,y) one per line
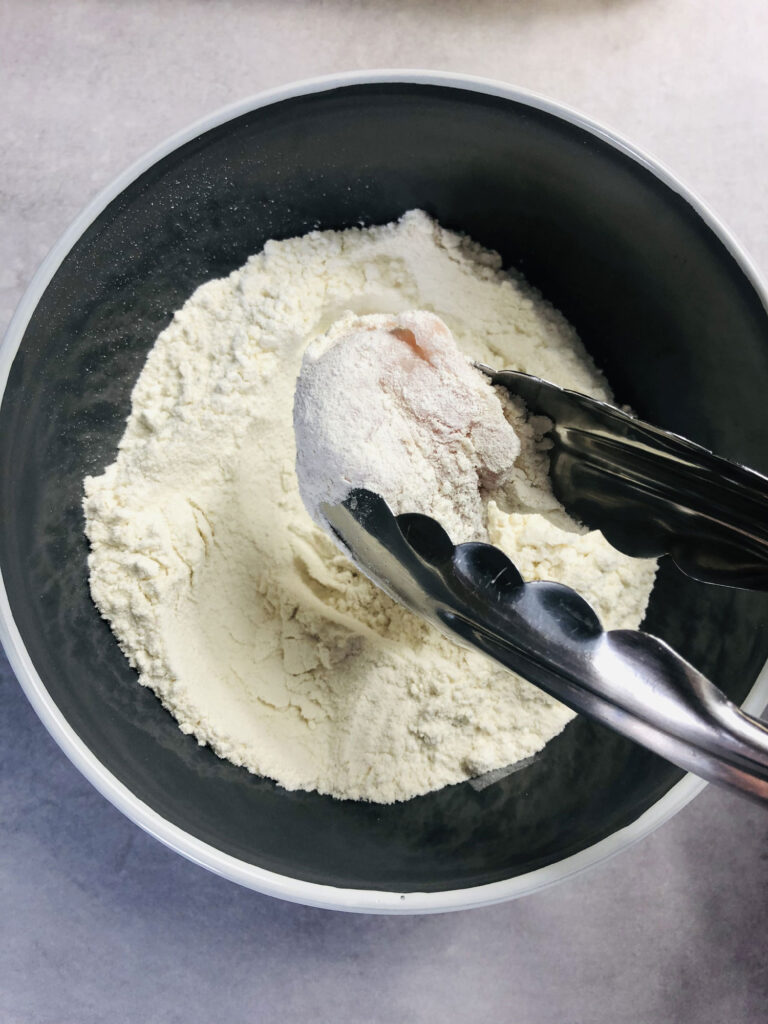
(100,922)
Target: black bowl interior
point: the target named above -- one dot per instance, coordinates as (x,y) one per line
(658,300)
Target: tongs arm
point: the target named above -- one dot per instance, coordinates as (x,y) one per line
(649,491)
(631,681)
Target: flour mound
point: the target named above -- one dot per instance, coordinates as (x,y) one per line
(254,631)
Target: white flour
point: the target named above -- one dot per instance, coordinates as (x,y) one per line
(255,632)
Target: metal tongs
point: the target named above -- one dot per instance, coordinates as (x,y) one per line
(651,493)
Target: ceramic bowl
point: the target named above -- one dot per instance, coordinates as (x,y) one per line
(661,295)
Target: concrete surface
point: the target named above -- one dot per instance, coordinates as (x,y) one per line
(97,920)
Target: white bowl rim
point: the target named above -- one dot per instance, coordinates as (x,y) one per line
(207,856)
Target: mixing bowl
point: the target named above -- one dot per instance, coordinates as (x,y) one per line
(664,300)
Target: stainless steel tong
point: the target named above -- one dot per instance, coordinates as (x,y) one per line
(650,492)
